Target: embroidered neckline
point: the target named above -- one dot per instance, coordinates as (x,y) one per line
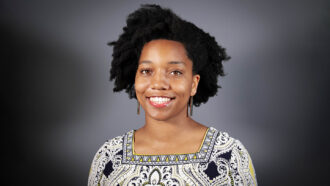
(199,148)
(202,155)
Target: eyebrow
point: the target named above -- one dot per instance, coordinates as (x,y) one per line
(177,62)
(170,62)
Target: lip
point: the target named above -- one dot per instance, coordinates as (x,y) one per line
(160,105)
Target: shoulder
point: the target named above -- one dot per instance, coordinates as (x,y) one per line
(231,150)
(110,147)
(225,143)
(110,151)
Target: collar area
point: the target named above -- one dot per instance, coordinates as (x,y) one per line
(202,155)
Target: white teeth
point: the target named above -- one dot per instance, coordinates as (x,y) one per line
(159,100)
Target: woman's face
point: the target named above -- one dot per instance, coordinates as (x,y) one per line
(164,80)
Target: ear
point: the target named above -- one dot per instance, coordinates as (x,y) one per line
(194,84)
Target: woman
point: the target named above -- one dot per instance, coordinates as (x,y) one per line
(169,65)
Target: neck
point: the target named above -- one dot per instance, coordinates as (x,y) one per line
(171,129)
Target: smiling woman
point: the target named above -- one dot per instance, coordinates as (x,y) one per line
(169,65)
(164,81)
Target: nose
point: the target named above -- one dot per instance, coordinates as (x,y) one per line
(159,81)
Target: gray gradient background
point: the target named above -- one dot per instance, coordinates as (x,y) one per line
(61,108)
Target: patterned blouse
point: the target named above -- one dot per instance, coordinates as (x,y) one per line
(221,160)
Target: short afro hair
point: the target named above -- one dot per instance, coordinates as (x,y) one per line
(152,22)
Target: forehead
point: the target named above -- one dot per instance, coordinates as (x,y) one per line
(163,50)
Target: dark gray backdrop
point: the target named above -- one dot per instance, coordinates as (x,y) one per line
(60,107)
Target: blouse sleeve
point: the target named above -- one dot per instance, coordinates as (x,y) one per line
(97,166)
(242,170)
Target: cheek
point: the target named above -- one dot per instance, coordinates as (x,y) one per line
(141,85)
(182,88)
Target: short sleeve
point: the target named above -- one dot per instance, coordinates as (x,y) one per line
(106,153)
(242,170)
(97,166)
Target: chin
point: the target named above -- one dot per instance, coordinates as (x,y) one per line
(160,116)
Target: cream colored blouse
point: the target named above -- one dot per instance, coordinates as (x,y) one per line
(221,160)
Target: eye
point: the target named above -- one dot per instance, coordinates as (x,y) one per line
(176,73)
(145,71)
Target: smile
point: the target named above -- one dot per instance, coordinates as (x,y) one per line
(160,101)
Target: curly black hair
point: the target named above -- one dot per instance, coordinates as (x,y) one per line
(152,22)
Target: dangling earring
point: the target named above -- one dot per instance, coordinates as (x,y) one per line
(190,105)
(138,107)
